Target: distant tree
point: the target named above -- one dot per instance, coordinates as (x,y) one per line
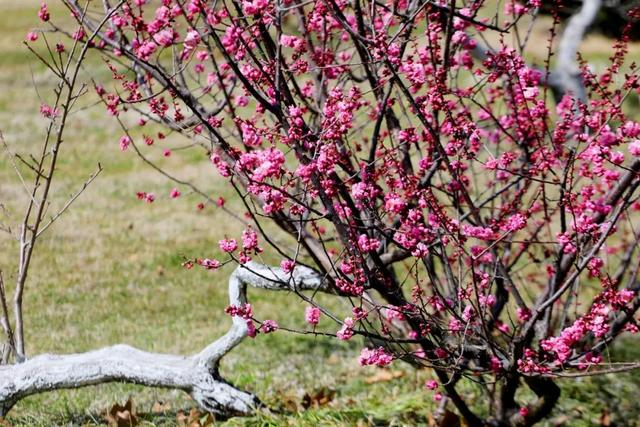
(613,19)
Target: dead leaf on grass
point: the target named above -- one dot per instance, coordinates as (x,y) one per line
(194,419)
(122,415)
(160,407)
(318,398)
(288,400)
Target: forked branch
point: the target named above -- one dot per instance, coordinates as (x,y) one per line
(197,375)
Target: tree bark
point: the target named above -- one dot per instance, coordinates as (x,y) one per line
(197,375)
(566,78)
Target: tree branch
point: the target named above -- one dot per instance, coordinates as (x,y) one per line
(197,375)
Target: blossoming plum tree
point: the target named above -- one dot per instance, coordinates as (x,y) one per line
(476,210)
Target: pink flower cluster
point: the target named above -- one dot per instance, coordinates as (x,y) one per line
(376,356)
(312,315)
(346,332)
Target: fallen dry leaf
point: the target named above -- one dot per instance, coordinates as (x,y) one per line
(160,407)
(318,398)
(194,419)
(122,416)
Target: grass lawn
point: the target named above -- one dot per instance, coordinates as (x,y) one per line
(110,271)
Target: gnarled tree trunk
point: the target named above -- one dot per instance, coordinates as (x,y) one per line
(197,375)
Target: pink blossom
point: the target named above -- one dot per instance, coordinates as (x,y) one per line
(262,164)
(254,7)
(165,38)
(312,315)
(392,313)
(32,36)
(191,40)
(221,165)
(202,55)
(468,313)
(431,385)
(530,92)
(393,203)
(242,101)
(43,12)
(515,222)
(292,42)
(269,326)
(125,141)
(482,233)
(524,314)
(209,264)
(367,244)
(359,191)
(349,287)
(118,21)
(79,34)
(146,49)
(467,181)
(228,245)
(455,325)
(287,265)
(631,129)
(249,239)
(251,329)
(48,111)
(495,364)
(502,327)
(112,101)
(346,332)
(377,356)
(244,257)
(244,311)
(487,300)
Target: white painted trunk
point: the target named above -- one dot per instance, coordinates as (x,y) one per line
(196,375)
(567,74)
